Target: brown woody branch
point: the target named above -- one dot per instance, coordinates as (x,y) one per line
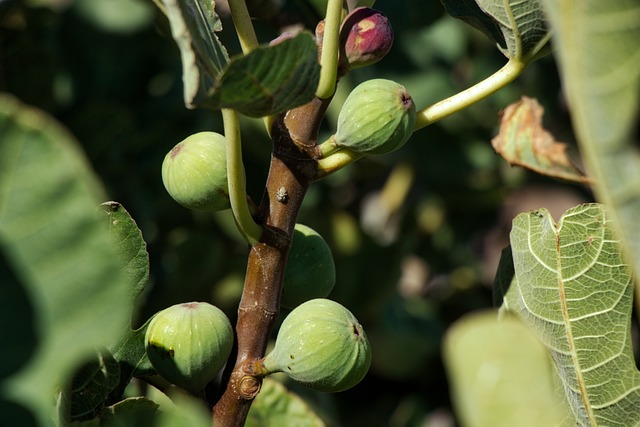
(293,169)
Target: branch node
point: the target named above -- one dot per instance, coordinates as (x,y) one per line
(249,387)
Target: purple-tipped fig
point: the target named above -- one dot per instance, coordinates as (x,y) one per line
(366,36)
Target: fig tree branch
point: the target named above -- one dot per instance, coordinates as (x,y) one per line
(293,168)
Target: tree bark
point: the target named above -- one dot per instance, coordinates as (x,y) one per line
(293,169)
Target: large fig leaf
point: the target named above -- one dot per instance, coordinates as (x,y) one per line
(518,27)
(500,373)
(55,244)
(596,44)
(574,290)
(269,80)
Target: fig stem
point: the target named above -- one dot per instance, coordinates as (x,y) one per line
(243,25)
(327,147)
(249,229)
(467,97)
(336,161)
(330,50)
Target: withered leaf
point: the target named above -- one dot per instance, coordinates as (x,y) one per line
(523,141)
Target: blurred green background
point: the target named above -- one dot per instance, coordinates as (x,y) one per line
(416,234)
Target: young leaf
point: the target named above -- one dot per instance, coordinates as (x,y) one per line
(500,373)
(132,248)
(276,406)
(523,141)
(56,244)
(574,291)
(597,47)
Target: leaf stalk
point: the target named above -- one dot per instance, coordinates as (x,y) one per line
(330,50)
(249,229)
(470,96)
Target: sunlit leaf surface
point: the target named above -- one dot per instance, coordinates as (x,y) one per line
(574,290)
(596,44)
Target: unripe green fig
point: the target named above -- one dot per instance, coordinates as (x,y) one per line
(377,117)
(310,272)
(322,346)
(194,172)
(189,343)
(366,37)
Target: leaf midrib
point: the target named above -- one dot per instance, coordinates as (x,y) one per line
(584,395)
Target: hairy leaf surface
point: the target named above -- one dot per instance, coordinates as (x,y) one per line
(574,290)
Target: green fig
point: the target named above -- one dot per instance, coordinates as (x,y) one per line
(189,343)
(310,272)
(377,117)
(322,346)
(194,172)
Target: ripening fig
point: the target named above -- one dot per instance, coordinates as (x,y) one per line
(377,117)
(322,346)
(310,272)
(194,172)
(189,343)
(366,36)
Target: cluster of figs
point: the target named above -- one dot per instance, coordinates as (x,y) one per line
(320,343)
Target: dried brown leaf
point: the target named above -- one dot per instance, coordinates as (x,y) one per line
(523,141)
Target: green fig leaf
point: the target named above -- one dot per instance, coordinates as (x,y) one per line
(596,46)
(574,290)
(518,27)
(269,80)
(504,280)
(133,412)
(129,351)
(131,246)
(193,27)
(471,13)
(500,374)
(58,249)
(277,406)
(91,386)
(130,412)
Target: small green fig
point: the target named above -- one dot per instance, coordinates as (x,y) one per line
(322,346)
(366,37)
(377,117)
(189,343)
(310,272)
(194,172)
